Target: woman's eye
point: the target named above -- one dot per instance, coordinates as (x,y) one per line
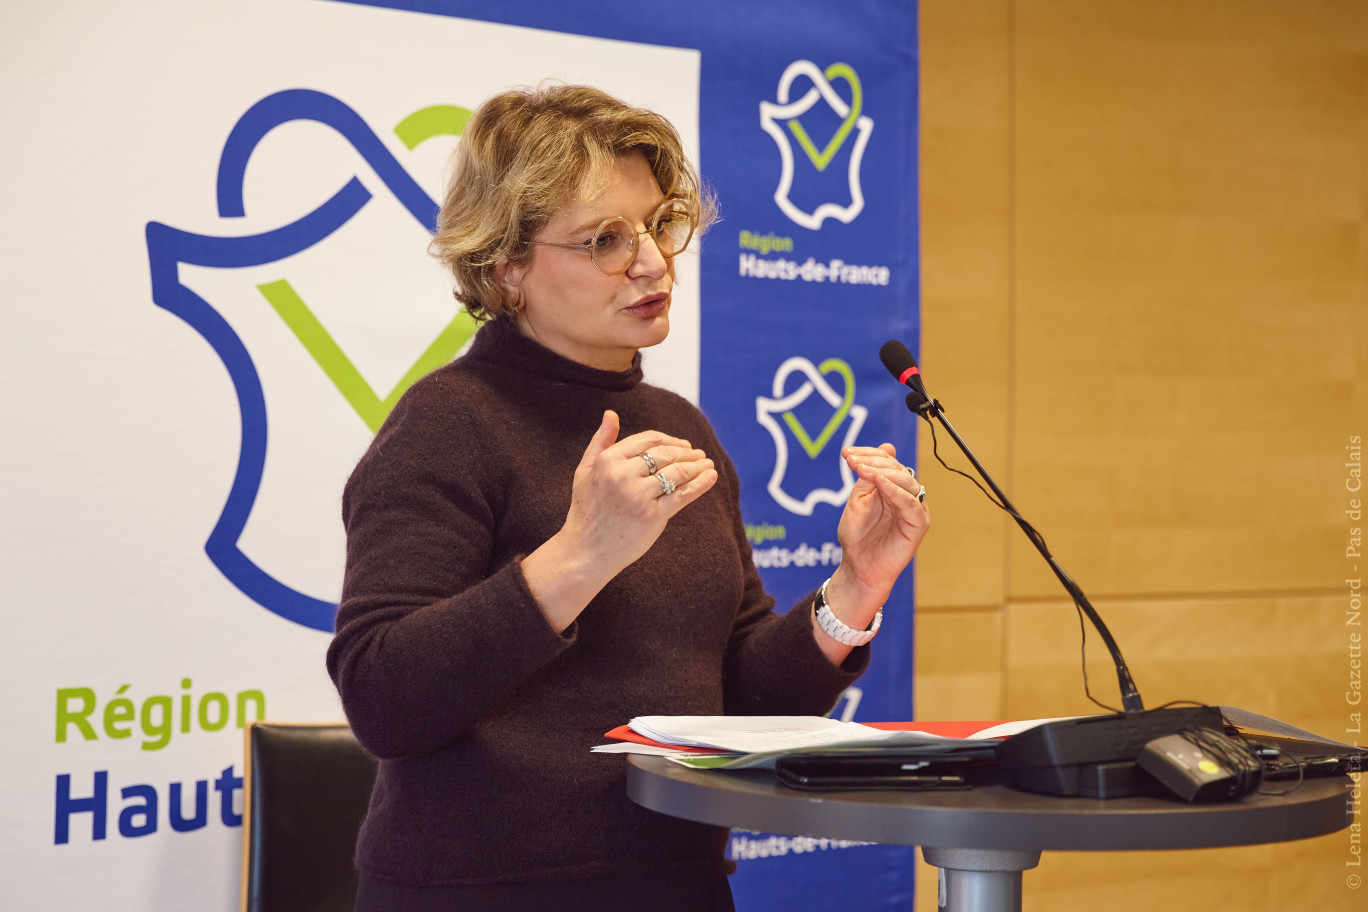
(606,241)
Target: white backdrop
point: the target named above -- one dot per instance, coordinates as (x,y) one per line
(124,428)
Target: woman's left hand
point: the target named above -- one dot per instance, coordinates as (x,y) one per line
(883,522)
(880,529)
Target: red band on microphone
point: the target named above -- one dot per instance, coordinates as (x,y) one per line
(902,378)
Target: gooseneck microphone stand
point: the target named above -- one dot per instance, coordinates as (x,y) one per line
(919,403)
(1090,756)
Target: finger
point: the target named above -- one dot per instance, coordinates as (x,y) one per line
(654,459)
(902,499)
(603,438)
(883,449)
(673,455)
(641,441)
(904,478)
(899,473)
(678,475)
(894,473)
(876,459)
(690,491)
(648,462)
(870,456)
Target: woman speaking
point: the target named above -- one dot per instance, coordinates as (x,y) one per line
(540,546)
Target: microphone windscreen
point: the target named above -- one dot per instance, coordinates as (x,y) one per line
(917,401)
(902,365)
(896,358)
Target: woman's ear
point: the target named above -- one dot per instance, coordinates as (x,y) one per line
(510,276)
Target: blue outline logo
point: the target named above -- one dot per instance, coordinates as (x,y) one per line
(168,248)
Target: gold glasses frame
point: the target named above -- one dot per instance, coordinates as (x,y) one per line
(634,244)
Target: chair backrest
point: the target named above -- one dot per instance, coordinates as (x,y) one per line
(307,790)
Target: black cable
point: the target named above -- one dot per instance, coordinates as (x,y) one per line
(936,452)
(1234,754)
(1039,540)
(1301,777)
(1234,734)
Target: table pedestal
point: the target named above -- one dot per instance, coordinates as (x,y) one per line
(979,880)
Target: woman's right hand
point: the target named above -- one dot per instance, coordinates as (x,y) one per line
(618,508)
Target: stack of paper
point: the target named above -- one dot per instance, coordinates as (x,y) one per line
(734,742)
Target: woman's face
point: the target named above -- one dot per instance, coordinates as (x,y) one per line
(597,320)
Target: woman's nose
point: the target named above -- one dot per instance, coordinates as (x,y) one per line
(649,261)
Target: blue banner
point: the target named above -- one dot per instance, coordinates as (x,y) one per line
(808,134)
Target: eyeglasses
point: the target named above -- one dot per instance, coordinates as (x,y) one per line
(615,244)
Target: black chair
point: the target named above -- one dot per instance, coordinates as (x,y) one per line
(308,787)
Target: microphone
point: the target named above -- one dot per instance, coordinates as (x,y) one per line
(902,365)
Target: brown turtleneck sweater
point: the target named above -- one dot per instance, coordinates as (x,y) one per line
(481,714)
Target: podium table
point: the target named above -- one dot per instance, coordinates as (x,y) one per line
(981,839)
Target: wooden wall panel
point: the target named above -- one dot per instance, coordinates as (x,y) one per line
(1190,289)
(964,198)
(1145,304)
(959,664)
(1304,875)
(1283,657)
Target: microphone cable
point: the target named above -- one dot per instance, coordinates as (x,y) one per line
(1070,586)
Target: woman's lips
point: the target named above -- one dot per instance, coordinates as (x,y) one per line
(650,306)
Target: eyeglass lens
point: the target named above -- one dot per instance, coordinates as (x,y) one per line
(614,246)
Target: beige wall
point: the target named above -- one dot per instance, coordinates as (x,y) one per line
(1145,253)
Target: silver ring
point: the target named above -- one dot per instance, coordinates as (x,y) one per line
(666,486)
(650,463)
(921,495)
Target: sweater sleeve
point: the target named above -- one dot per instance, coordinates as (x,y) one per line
(430,637)
(773,664)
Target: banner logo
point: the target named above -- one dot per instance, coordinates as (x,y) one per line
(776,117)
(168,249)
(782,409)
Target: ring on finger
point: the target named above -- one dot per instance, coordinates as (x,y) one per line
(650,463)
(921,495)
(666,486)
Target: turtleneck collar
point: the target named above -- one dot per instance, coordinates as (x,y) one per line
(499,343)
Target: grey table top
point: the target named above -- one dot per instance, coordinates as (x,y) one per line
(991,817)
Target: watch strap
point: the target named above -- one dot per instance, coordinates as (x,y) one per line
(837,629)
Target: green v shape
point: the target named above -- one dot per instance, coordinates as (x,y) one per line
(823,158)
(339,368)
(814,447)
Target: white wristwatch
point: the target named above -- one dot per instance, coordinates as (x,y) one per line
(837,629)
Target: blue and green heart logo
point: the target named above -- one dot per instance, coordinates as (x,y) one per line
(813,446)
(801,493)
(169,248)
(782,119)
(820,159)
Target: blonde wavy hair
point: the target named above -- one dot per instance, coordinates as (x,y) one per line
(525,154)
